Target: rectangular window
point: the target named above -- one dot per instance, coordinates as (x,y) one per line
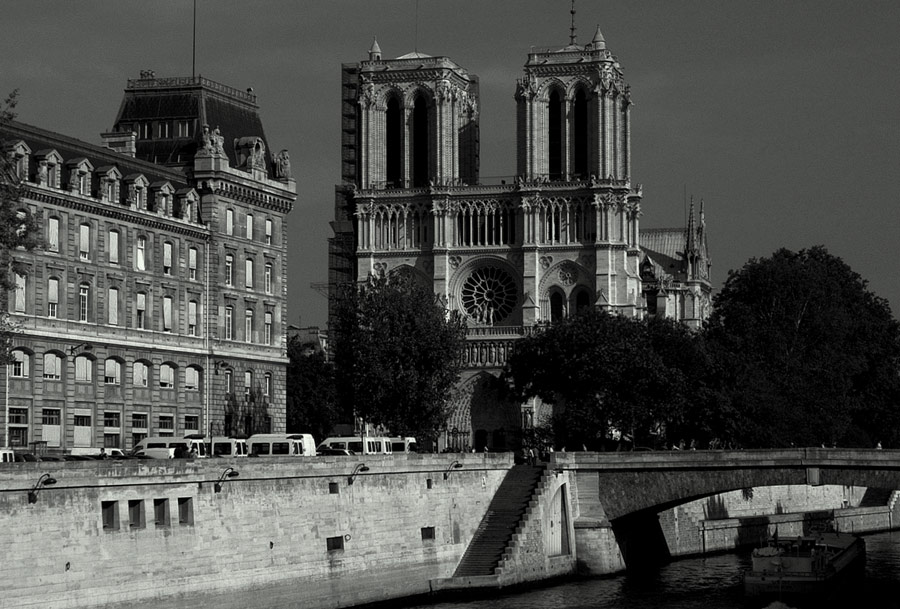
(248,273)
(84,242)
(185,510)
(82,420)
(112,372)
(167,258)
(268,278)
(113,306)
(184,128)
(112,419)
(20,293)
(166,424)
(83,432)
(18,436)
(139,421)
(50,416)
(53,235)
(161,512)
(427,533)
(192,318)
(83,294)
(18,416)
(191,423)
(267,386)
(229,222)
(162,130)
(140,247)
(167,313)
(113,247)
(229,323)
(136,513)
(248,326)
(229,269)
(52,297)
(110,511)
(334,543)
(249,227)
(192,263)
(140,310)
(268,232)
(112,440)
(268,329)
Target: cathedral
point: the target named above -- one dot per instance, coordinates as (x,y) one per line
(561,235)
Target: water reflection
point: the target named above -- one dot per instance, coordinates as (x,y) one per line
(699,583)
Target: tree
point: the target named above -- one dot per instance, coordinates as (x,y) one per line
(398,354)
(19,228)
(809,355)
(311,404)
(606,372)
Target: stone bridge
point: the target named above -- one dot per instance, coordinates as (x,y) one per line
(623,492)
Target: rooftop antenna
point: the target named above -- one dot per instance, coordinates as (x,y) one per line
(572,29)
(194,45)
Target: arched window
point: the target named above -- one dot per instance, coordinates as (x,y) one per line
(267,385)
(229,381)
(556,306)
(53,366)
(21,364)
(580,135)
(248,382)
(140,374)
(112,372)
(419,154)
(192,378)
(167,376)
(555,135)
(394,143)
(84,369)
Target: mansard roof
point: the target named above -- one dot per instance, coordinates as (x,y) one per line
(195,99)
(69,148)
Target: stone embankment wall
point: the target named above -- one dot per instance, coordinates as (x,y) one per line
(731,520)
(283,533)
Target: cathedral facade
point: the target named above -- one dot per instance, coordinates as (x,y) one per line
(156,305)
(564,233)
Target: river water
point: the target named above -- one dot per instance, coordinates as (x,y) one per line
(713,582)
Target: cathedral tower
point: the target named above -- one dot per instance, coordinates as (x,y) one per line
(573,115)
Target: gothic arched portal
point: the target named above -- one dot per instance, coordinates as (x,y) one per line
(482,416)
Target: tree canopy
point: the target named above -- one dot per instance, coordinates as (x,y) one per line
(19,228)
(809,355)
(311,403)
(397,354)
(606,372)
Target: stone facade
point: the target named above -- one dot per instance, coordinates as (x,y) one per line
(561,235)
(157,304)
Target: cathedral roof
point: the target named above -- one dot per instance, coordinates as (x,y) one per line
(665,248)
(414,55)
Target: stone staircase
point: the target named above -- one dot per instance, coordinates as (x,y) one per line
(504,514)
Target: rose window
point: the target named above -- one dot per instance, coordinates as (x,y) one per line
(489,295)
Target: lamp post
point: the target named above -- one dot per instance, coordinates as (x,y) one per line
(43,481)
(228,473)
(361,467)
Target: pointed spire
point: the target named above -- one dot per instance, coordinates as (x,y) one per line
(598,42)
(690,246)
(375,50)
(572,37)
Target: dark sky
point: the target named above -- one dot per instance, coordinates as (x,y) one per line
(783,116)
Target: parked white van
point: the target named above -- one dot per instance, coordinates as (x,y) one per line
(159,447)
(221,446)
(280,444)
(404,445)
(374,445)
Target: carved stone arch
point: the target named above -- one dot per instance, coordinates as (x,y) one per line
(409,95)
(384,95)
(408,271)
(580,83)
(550,85)
(556,273)
(479,405)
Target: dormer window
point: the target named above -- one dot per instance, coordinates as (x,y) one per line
(18,154)
(80,176)
(163,196)
(137,190)
(109,184)
(187,204)
(49,162)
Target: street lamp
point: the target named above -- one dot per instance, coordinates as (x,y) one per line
(87,347)
(454,465)
(361,467)
(228,473)
(43,481)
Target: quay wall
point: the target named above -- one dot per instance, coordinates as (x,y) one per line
(285,532)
